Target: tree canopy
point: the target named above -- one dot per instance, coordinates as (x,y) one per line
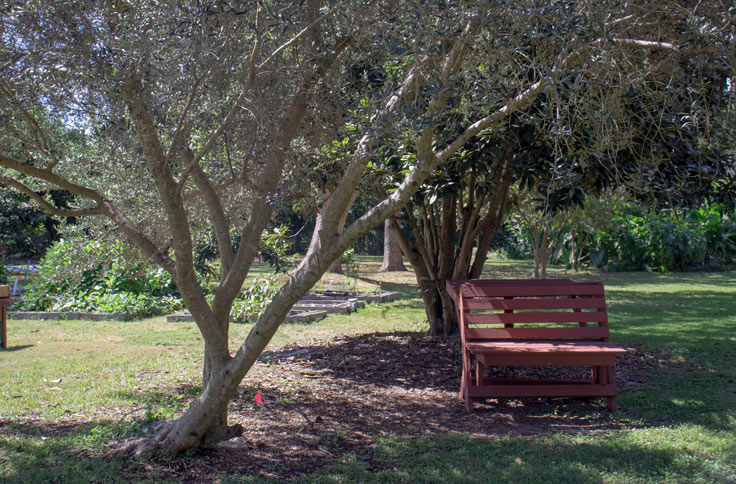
(171,121)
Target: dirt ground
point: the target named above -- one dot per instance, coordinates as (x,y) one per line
(324,400)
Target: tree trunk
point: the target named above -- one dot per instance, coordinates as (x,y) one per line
(537,250)
(336,267)
(545,251)
(325,198)
(440,315)
(392,257)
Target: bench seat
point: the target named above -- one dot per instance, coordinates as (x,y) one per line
(566,353)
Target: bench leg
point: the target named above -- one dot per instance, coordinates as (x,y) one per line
(611,401)
(3,328)
(466,380)
(468,403)
(464,393)
(462,386)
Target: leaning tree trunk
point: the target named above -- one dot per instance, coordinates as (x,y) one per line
(392,257)
(325,198)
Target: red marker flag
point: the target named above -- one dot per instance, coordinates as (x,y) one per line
(259,400)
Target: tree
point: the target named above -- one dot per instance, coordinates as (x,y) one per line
(392,254)
(194,117)
(591,125)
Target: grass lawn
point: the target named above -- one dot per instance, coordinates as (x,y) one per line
(357,408)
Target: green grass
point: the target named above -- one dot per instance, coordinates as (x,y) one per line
(68,387)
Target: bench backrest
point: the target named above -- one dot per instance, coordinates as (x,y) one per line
(532,309)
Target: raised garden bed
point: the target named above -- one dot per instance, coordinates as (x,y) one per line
(81,316)
(386,296)
(302,317)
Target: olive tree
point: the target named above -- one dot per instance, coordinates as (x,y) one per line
(195,117)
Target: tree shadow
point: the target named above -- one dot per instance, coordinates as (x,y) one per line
(404,379)
(16,348)
(406,290)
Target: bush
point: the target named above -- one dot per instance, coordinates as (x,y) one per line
(511,242)
(664,242)
(253,301)
(77,275)
(137,305)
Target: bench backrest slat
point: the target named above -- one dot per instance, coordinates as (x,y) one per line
(536,317)
(589,332)
(536,303)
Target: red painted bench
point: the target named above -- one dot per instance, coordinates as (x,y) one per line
(534,322)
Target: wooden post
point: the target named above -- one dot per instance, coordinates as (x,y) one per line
(4,303)
(3,332)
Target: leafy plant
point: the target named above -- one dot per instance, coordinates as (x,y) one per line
(665,241)
(77,275)
(253,301)
(350,267)
(274,247)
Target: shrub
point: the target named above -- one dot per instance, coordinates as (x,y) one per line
(663,241)
(77,275)
(252,302)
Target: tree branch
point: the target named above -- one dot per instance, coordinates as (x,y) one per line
(182,118)
(46,205)
(298,36)
(51,177)
(41,135)
(253,71)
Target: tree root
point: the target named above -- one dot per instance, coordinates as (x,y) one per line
(226,433)
(156,444)
(138,446)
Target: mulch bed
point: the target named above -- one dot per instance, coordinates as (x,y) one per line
(325,400)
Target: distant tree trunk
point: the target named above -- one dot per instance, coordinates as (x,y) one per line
(392,258)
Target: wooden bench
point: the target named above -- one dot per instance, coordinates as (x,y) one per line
(534,322)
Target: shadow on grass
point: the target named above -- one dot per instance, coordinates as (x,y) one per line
(695,323)
(38,452)
(405,290)
(16,348)
(158,400)
(455,458)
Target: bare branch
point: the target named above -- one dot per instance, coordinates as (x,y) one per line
(254,69)
(104,207)
(41,135)
(662,46)
(49,176)
(298,36)
(183,117)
